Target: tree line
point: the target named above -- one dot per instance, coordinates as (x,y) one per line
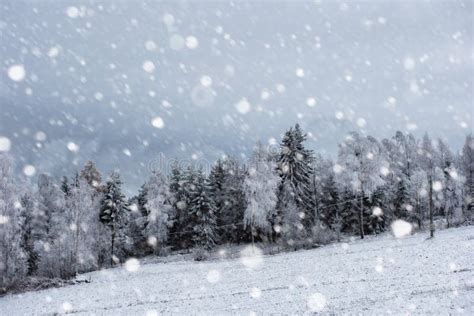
(293,196)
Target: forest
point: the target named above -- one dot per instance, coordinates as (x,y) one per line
(292,196)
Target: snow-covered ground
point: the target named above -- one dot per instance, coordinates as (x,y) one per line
(380,275)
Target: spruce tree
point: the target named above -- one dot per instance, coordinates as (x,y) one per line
(28,208)
(203,213)
(296,171)
(113,210)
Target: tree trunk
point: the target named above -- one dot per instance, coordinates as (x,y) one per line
(430,183)
(361,215)
(112,250)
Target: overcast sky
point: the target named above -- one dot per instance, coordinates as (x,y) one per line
(119,82)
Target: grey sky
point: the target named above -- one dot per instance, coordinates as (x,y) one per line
(370,66)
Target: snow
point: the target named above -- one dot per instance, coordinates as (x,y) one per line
(71,146)
(158,122)
(151,45)
(148,66)
(206,81)
(72,12)
(243,106)
(361,122)
(132,265)
(168,19)
(377,211)
(311,102)
(192,42)
(252,257)
(5,144)
(379,275)
(16,72)
(409,63)
(437,186)
(177,42)
(29,170)
(299,72)
(213,276)
(401,228)
(316,302)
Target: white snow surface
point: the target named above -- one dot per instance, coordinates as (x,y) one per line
(418,276)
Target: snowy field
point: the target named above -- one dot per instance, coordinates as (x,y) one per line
(380,275)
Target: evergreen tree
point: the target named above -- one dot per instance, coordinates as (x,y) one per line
(28,207)
(203,213)
(295,168)
(91,175)
(65,185)
(330,209)
(113,210)
(230,217)
(180,185)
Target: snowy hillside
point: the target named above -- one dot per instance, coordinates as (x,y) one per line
(380,275)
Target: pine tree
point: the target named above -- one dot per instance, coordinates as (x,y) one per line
(330,209)
(113,210)
(91,175)
(203,213)
(138,221)
(182,186)
(65,185)
(450,186)
(230,217)
(28,207)
(296,172)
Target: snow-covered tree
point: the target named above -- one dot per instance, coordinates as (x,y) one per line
(13,260)
(295,168)
(158,205)
(260,188)
(114,212)
(292,228)
(330,208)
(48,214)
(231,216)
(49,228)
(428,157)
(81,219)
(203,213)
(182,184)
(138,221)
(361,160)
(91,175)
(418,196)
(467,165)
(28,207)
